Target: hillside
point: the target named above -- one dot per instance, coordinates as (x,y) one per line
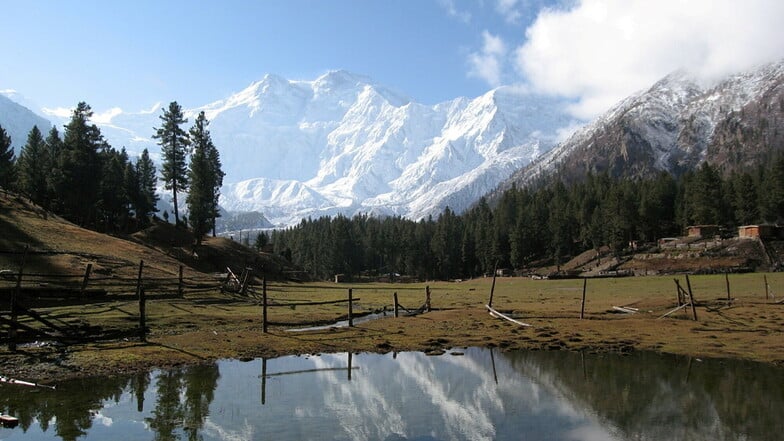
(57,246)
(674,126)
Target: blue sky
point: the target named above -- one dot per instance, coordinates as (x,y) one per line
(134,54)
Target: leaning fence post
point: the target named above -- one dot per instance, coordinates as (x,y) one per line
(394,296)
(86,279)
(492,287)
(179,285)
(691,298)
(246,280)
(264,305)
(582,305)
(427,298)
(350,307)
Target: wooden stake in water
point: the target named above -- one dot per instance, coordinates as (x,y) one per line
(397,305)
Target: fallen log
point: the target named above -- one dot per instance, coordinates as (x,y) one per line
(497,314)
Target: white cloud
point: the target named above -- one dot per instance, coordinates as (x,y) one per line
(97,118)
(488,63)
(155,107)
(59,112)
(452,11)
(601,51)
(106,117)
(509,10)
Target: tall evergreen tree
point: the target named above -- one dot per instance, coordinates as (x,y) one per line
(81,166)
(146,179)
(54,145)
(33,168)
(206,178)
(6,160)
(174,148)
(113,192)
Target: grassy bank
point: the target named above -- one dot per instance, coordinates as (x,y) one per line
(207,326)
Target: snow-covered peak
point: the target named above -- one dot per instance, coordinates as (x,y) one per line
(669,126)
(342,143)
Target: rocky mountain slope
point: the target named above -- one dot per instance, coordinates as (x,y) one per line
(17,120)
(674,126)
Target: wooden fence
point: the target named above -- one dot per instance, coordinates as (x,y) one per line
(27,289)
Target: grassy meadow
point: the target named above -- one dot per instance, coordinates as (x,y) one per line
(209,325)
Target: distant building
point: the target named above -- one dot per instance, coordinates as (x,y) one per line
(702,230)
(760,231)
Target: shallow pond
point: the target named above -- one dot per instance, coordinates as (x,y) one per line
(472,394)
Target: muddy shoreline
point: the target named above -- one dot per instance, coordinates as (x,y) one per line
(432,333)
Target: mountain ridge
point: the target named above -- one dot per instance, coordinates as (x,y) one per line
(674,126)
(342,144)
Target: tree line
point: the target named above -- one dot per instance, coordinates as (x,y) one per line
(84,179)
(545,224)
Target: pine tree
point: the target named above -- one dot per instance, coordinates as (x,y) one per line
(81,166)
(54,145)
(6,160)
(146,176)
(174,144)
(113,194)
(205,177)
(33,168)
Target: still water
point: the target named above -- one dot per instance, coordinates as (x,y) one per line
(479,395)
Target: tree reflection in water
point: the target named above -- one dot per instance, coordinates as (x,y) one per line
(481,395)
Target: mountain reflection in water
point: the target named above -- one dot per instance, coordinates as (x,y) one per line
(481,395)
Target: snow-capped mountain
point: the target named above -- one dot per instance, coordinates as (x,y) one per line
(674,126)
(17,120)
(343,144)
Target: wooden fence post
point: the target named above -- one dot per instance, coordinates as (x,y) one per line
(765,278)
(86,279)
(350,307)
(427,298)
(142,313)
(264,305)
(179,285)
(691,299)
(492,288)
(582,304)
(727,281)
(394,296)
(14,309)
(139,280)
(246,280)
(678,291)
(142,304)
